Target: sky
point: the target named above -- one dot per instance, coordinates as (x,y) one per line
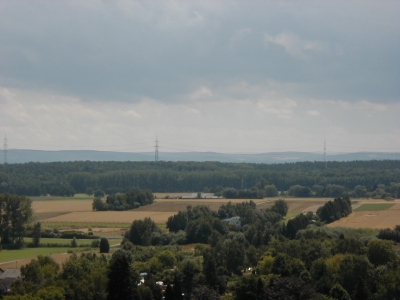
(220,76)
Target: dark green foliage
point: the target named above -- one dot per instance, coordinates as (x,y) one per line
(210,268)
(289,288)
(270,190)
(177,287)
(169,292)
(156,291)
(389,234)
(177,222)
(353,269)
(334,210)
(285,266)
(15,213)
(349,246)
(189,271)
(141,230)
(231,193)
(300,191)
(233,255)
(36,234)
(297,223)
(121,277)
(37,179)
(280,206)
(74,243)
(199,230)
(130,200)
(85,277)
(249,288)
(104,246)
(99,194)
(204,293)
(339,293)
(381,252)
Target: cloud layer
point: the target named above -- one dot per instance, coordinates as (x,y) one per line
(209,75)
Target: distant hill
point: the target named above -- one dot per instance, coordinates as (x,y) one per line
(24,156)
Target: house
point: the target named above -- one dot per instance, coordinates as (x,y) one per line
(7,278)
(200,196)
(233,221)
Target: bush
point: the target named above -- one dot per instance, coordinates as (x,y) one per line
(95,244)
(74,243)
(104,246)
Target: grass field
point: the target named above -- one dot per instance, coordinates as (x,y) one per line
(77,225)
(11,255)
(374,207)
(80,242)
(290,215)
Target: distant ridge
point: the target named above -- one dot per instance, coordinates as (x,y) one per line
(25,156)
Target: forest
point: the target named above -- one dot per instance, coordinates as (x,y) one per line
(305,179)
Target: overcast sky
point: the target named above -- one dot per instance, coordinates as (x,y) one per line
(222,76)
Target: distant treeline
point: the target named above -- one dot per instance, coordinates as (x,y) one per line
(130,200)
(305,178)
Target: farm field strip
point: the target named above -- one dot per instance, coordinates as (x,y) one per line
(387,218)
(80,242)
(11,255)
(56,206)
(112,216)
(69,225)
(374,206)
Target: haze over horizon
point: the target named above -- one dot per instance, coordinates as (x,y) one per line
(218,76)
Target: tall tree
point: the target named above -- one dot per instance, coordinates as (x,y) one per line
(36,234)
(121,277)
(15,213)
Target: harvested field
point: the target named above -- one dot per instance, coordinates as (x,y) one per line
(112,216)
(374,207)
(388,218)
(61,206)
(80,211)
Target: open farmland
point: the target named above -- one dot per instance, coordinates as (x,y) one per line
(388,218)
(72,211)
(80,211)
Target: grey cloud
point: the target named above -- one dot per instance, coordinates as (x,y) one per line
(163,50)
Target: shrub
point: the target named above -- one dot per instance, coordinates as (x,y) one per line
(104,246)
(74,243)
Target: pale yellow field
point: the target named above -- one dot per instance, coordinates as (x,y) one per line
(53,206)
(112,216)
(81,211)
(371,219)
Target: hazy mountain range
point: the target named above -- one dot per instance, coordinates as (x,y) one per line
(24,156)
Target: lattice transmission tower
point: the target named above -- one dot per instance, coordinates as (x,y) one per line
(156,150)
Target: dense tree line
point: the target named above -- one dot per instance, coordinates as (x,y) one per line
(334,210)
(15,214)
(66,178)
(130,200)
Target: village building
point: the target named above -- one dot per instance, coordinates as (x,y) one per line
(233,221)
